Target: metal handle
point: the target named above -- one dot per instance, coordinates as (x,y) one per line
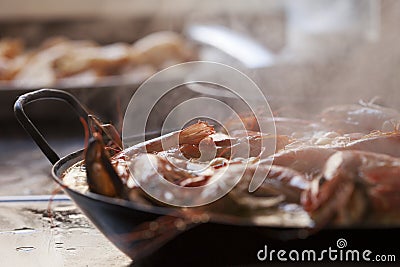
(31,129)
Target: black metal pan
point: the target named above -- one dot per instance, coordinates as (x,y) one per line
(137,229)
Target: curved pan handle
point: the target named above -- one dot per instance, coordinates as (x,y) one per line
(31,129)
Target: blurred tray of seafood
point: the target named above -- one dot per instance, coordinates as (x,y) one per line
(101,68)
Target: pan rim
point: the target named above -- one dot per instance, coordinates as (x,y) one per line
(67,161)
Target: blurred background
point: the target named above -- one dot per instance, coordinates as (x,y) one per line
(303,54)
(335,51)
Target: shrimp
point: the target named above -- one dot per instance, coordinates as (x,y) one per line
(379,142)
(308,160)
(356,178)
(361,118)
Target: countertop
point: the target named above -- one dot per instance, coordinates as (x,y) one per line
(30,235)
